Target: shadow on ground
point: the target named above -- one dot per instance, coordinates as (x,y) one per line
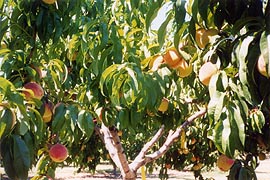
(106,172)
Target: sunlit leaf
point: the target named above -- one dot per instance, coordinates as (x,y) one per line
(180,12)
(265,50)
(85,123)
(152,13)
(162,31)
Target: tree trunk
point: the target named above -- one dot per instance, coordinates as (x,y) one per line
(128,171)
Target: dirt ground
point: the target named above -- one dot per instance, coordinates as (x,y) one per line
(105,172)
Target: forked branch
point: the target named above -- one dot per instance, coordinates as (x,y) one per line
(143,159)
(113,145)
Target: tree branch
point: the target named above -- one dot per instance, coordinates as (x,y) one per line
(114,146)
(138,161)
(143,159)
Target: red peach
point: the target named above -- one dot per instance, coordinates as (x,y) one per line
(58,153)
(37,90)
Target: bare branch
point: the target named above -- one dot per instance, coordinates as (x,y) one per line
(138,161)
(170,139)
(143,159)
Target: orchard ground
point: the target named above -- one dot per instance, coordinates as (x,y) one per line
(105,171)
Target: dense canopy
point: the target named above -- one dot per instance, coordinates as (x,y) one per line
(102,81)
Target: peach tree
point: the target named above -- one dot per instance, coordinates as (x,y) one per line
(99,78)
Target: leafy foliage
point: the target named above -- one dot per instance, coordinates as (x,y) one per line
(93,59)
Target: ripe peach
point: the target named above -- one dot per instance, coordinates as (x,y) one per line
(37,91)
(164,105)
(150,113)
(168,166)
(203,36)
(48,112)
(197,167)
(156,62)
(193,159)
(119,133)
(185,151)
(172,58)
(184,69)
(261,66)
(58,153)
(207,70)
(49,1)
(224,163)
(262,156)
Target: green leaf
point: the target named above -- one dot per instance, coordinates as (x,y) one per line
(106,76)
(21,157)
(117,46)
(238,126)
(195,10)
(1,4)
(179,34)
(192,28)
(219,17)
(265,50)
(219,106)
(256,120)
(7,120)
(203,9)
(38,125)
(218,82)
(6,86)
(247,21)
(152,13)
(7,155)
(162,31)
(267,18)
(229,131)
(116,88)
(135,117)
(72,112)
(135,83)
(58,120)
(29,141)
(242,54)
(59,71)
(180,13)
(216,105)
(123,117)
(245,174)
(4,51)
(85,123)
(220,139)
(234,171)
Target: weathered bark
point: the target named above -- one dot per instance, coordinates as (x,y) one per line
(116,151)
(114,146)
